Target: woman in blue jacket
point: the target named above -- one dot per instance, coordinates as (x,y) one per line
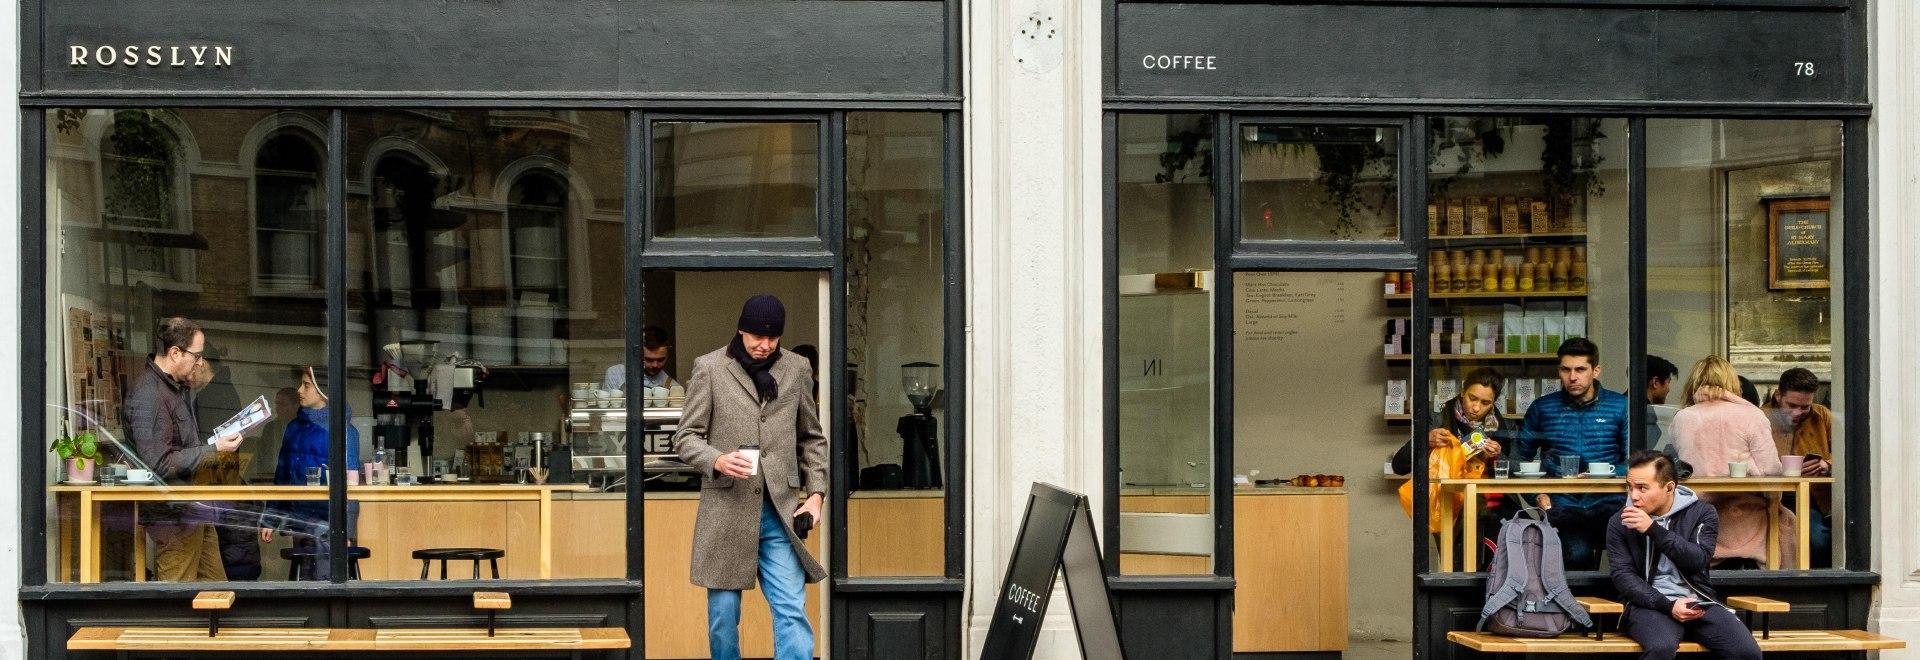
(304,445)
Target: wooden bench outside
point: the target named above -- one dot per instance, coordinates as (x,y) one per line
(350,640)
(1832,641)
(1784,641)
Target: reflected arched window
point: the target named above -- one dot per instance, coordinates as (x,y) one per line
(288,208)
(142,173)
(536,222)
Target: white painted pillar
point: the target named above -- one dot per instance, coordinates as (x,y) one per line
(1895,191)
(13,642)
(1033,194)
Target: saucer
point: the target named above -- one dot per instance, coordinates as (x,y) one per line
(130,482)
(89,482)
(1597,475)
(1529,475)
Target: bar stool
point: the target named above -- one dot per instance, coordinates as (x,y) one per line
(428,555)
(297,558)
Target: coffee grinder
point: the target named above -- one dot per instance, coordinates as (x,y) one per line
(408,388)
(919,431)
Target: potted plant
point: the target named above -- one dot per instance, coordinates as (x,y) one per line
(82,453)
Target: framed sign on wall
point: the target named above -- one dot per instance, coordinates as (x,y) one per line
(1799,243)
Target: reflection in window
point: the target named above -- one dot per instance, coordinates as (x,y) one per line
(498,285)
(1165,232)
(289,207)
(118,267)
(536,219)
(1743,236)
(141,174)
(736,179)
(1319,182)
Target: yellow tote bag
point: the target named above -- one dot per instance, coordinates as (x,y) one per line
(1450,462)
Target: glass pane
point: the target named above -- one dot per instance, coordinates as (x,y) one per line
(1312,449)
(1744,244)
(485,253)
(700,312)
(156,341)
(1319,183)
(896,329)
(733,179)
(1529,218)
(1165,231)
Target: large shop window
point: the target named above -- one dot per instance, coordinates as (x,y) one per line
(896,342)
(1166,369)
(1527,225)
(148,354)
(1743,267)
(486,342)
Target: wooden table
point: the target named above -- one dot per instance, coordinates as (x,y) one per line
(1802,487)
(92,497)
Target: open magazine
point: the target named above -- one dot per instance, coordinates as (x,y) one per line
(247,419)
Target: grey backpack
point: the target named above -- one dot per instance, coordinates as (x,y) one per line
(1527,593)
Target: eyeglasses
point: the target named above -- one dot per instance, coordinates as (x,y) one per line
(198,356)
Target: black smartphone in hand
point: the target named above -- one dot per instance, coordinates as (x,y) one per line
(802,524)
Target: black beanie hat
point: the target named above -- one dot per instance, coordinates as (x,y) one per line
(764,315)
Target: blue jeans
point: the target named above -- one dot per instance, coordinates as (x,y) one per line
(783,582)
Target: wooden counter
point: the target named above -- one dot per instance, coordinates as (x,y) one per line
(1290,562)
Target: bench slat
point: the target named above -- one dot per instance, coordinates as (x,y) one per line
(1758,604)
(213,600)
(1597,605)
(347,639)
(492,600)
(1782,641)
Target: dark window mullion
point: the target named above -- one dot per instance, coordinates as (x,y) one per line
(336,282)
(954,268)
(1635,387)
(1226,177)
(635,210)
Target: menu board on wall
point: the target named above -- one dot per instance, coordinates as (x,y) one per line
(1799,243)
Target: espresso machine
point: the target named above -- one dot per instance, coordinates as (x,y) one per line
(919,431)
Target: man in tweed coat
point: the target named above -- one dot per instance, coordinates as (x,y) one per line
(754,393)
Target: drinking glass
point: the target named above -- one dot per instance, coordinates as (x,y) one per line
(1569,465)
(1502,468)
(316,476)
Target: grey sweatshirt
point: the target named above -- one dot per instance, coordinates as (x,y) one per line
(1666,578)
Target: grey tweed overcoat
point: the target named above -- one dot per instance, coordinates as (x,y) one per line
(723,412)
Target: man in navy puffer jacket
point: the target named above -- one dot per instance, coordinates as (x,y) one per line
(1589,423)
(303,446)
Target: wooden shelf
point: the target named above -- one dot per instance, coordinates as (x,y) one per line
(1477,357)
(1493,295)
(1509,237)
(1409,418)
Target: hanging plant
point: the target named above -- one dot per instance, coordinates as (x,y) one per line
(1568,160)
(1469,140)
(1182,148)
(1343,169)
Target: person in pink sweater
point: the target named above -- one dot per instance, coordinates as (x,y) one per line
(1718,427)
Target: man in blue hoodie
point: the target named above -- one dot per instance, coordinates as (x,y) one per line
(1589,424)
(1659,549)
(303,446)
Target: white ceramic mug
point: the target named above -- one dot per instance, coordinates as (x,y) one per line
(1599,468)
(752,452)
(137,475)
(1530,467)
(1791,465)
(1737,469)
